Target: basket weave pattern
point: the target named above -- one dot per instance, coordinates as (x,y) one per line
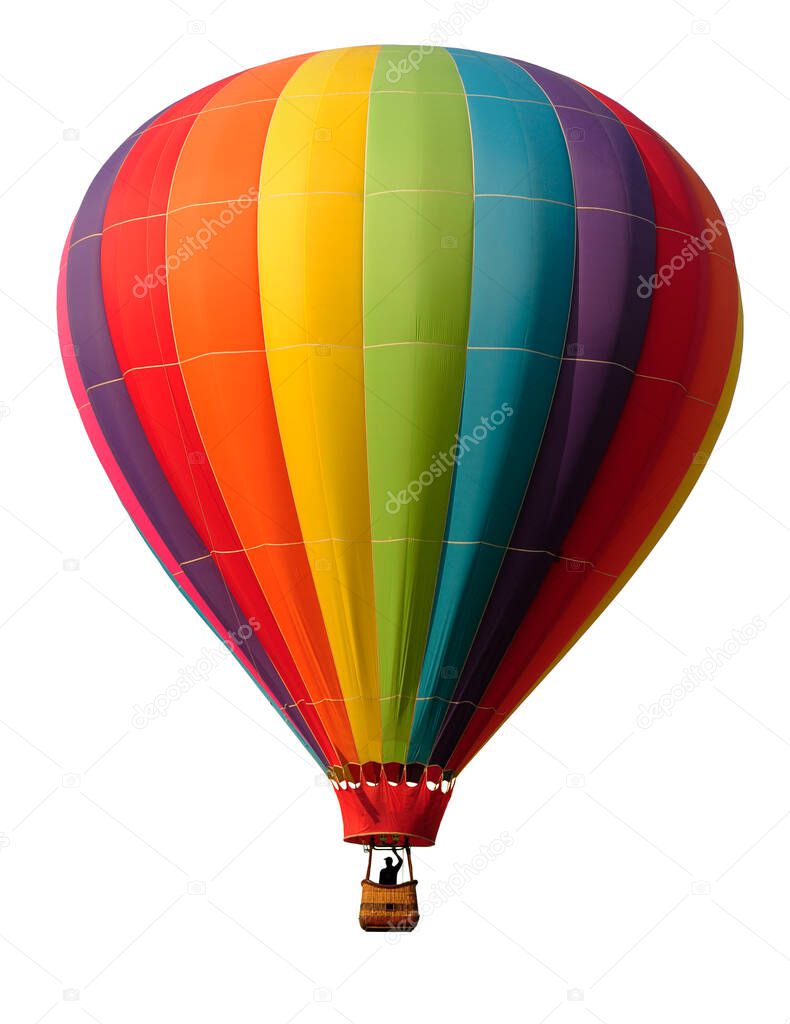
(388,907)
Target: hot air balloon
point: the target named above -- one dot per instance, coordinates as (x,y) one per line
(401,360)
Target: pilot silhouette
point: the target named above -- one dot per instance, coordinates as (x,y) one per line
(389,874)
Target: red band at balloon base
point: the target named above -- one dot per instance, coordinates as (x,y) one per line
(391,803)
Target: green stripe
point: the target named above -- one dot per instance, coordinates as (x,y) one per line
(419,216)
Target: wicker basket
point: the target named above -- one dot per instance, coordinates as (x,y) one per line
(386,908)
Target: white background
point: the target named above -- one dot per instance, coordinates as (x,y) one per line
(192,870)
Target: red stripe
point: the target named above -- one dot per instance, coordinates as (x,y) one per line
(140,325)
(113,471)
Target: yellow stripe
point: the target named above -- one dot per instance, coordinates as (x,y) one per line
(310,253)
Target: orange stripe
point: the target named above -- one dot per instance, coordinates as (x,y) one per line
(215,305)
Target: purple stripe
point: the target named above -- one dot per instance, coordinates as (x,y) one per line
(126,438)
(607,324)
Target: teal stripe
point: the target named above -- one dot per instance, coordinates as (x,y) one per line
(521,291)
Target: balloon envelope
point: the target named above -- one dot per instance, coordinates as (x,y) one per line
(401,361)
